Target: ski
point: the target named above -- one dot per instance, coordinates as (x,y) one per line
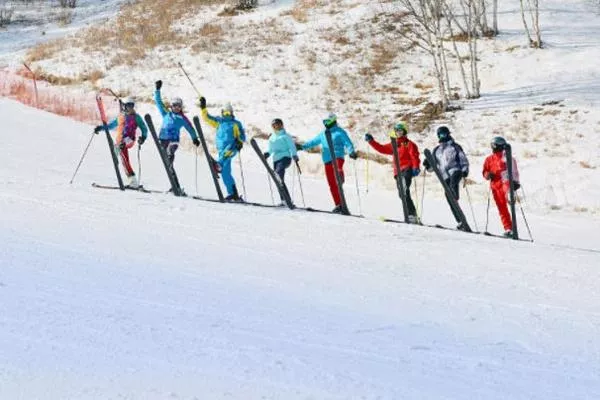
(400,179)
(336,172)
(451,197)
(175,188)
(283,190)
(111,144)
(209,159)
(511,191)
(241,202)
(126,187)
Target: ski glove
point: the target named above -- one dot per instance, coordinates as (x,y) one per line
(98,129)
(426,165)
(516,185)
(202,102)
(158,84)
(196,142)
(266,155)
(415,171)
(299,147)
(141,140)
(465,173)
(353,155)
(296,159)
(368,137)
(489,176)
(239,145)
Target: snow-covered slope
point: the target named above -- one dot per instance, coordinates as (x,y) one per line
(106,294)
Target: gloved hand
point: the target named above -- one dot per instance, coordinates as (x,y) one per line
(516,185)
(141,140)
(158,84)
(296,159)
(490,176)
(98,129)
(196,142)
(415,171)
(368,137)
(239,145)
(426,165)
(353,155)
(465,173)
(299,147)
(202,102)
(266,155)
(121,146)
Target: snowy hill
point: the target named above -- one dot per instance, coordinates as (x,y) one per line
(129,295)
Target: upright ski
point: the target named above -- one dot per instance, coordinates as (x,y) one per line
(511,192)
(451,197)
(338,177)
(175,188)
(400,179)
(209,159)
(283,190)
(111,144)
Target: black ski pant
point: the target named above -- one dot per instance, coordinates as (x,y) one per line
(407,175)
(170,148)
(453,182)
(279,167)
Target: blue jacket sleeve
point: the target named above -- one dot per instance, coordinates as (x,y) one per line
(188,127)
(242,132)
(159,103)
(347,142)
(312,142)
(113,124)
(291,145)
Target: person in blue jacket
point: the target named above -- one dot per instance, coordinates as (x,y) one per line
(230,138)
(173,120)
(342,145)
(282,150)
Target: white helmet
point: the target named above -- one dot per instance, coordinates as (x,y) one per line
(128,100)
(176,101)
(228,109)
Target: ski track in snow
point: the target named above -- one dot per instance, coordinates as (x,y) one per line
(106,294)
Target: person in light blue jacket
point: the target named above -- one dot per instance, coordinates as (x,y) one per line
(342,145)
(230,138)
(173,120)
(282,149)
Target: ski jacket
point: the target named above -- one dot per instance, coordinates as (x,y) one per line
(229,131)
(126,125)
(281,145)
(495,164)
(172,122)
(408,152)
(342,144)
(450,158)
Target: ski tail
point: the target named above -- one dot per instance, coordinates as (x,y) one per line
(455,206)
(400,183)
(511,193)
(111,144)
(338,178)
(176,189)
(281,187)
(209,159)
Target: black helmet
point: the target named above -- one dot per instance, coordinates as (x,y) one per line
(277,121)
(443,133)
(498,143)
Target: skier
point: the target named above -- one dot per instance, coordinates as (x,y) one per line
(495,170)
(408,152)
(452,163)
(173,120)
(282,148)
(341,144)
(230,138)
(127,123)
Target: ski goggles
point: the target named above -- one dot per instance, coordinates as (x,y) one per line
(129,105)
(226,113)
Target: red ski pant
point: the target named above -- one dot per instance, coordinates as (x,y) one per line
(330,174)
(125,146)
(500,193)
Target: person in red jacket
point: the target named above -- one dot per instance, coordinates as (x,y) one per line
(495,171)
(409,161)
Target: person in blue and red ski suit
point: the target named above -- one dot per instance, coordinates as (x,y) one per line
(341,145)
(127,124)
(408,152)
(495,171)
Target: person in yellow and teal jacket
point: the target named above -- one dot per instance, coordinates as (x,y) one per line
(173,120)
(127,124)
(230,138)
(342,145)
(282,149)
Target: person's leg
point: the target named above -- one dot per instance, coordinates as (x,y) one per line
(125,161)
(412,210)
(280,166)
(333,188)
(227,176)
(502,204)
(453,182)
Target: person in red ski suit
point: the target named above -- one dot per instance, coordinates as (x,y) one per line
(495,170)
(408,153)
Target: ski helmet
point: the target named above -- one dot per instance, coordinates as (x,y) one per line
(330,121)
(128,102)
(176,101)
(277,121)
(227,110)
(498,143)
(401,127)
(443,133)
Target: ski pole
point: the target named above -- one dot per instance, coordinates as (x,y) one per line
(470,204)
(300,184)
(189,79)
(423,194)
(270,188)
(139,163)
(524,218)
(196,171)
(82,157)
(367,168)
(487,212)
(242,173)
(357,189)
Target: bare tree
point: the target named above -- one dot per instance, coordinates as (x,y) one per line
(495,16)
(530,10)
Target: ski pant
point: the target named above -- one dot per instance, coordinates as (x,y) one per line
(453,182)
(407,175)
(330,174)
(226,174)
(124,153)
(500,192)
(170,148)
(279,167)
